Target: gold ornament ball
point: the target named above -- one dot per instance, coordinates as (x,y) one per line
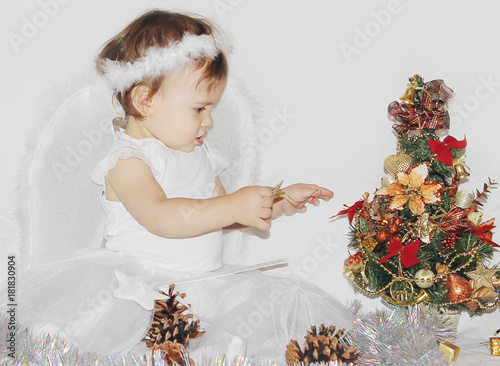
(424,278)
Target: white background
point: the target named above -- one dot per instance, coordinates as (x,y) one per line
(292,57)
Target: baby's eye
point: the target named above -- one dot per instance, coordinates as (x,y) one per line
(199,109)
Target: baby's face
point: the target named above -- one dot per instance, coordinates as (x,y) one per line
(180,114)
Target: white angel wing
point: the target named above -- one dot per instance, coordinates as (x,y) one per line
(59,205)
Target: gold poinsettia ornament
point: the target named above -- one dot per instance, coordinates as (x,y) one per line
(414,188)
(423,228)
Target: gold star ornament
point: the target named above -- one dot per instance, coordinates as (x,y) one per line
(482,276)
(277,192)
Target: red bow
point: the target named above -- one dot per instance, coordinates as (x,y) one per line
(350,211)
(408,252)
(483,232)
(442,149)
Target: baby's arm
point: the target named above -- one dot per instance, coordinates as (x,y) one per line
(132,182)
(300,195)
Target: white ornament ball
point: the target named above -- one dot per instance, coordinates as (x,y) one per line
(463,199)
(388,179)
(424,278)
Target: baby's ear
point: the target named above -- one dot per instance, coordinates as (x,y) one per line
(141,99)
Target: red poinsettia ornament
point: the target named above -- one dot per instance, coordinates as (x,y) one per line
(442,148)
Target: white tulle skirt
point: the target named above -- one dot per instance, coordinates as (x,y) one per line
(248,314)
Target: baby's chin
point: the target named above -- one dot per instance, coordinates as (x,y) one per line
(183,148)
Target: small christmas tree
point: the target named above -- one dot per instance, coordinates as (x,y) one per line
(420,239)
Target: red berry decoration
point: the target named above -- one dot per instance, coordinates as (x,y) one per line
(382,236)
(354,259)
(398,221)
(398,238)
(393,229)
(449,242)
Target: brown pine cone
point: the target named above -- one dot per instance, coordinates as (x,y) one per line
(174,352)
(327,332)
(323,345)
(351,354)
(293,353)
(170,329)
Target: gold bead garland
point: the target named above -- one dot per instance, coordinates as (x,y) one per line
(411,300)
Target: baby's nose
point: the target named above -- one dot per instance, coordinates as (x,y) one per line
(208,121)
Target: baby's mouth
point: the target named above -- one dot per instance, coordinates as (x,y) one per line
(199,140)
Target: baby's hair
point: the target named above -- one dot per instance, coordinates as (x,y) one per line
(158,28)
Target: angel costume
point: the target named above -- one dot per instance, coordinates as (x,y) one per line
(103,299)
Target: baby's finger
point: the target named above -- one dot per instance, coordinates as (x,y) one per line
(263,225)
(324,193)
(266,213)
(267,202)
(266,192)
(314,201)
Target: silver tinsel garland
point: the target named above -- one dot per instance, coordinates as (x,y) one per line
(32,348)
(401,336)
(390,337)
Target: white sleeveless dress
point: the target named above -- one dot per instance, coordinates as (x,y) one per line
(179,174)
(102,300)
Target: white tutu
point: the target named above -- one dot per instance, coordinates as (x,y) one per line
(247,314)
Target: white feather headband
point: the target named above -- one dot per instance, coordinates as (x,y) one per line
(159,61)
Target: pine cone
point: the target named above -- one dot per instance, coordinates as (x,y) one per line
(293,353)
(171,330)
(350,355)
(170,306)
(174,352)
(322,346)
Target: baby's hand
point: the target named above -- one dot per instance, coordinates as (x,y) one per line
(300,194)
(254,206)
